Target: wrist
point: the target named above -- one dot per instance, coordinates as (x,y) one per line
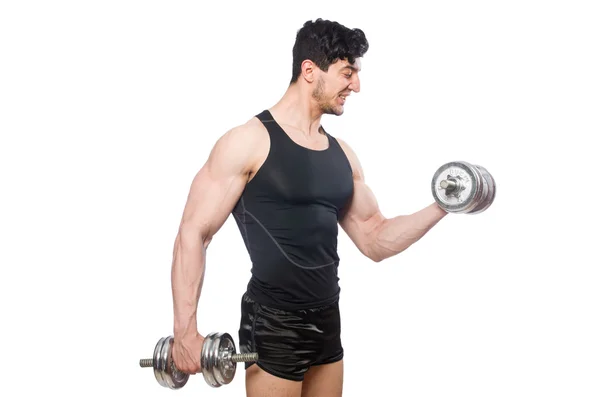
(185,331)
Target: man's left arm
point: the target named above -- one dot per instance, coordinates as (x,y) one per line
(376,236)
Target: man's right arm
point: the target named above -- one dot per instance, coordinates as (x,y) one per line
(214,192)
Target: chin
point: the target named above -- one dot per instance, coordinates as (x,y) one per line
(335,110)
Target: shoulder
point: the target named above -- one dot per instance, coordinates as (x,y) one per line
(243,145)
(357,170)
(250,133)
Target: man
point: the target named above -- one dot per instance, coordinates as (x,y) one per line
(288,184)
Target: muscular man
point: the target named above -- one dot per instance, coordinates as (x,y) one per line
(288,184)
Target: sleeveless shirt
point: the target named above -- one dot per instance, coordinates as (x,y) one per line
(288,217)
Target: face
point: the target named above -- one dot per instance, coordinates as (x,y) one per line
(334,86)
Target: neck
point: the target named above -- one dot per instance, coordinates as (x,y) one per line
(298,109)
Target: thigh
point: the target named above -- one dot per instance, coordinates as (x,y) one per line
(260,383)
(324,380)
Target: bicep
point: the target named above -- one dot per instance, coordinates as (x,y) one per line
(362,216)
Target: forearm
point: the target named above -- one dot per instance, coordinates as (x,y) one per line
(394,235)
(187,277)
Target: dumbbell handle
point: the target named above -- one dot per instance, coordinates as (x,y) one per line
(236,358)
(448,184)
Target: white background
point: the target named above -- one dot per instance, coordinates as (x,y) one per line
(108,109)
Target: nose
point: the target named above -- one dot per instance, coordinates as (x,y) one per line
(355,84)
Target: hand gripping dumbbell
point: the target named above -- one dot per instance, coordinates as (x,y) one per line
(463,188)
(218,360)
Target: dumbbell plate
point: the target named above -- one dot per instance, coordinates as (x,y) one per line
(157,362)
(469,187)
(164,371)
(490,191)
(217,367)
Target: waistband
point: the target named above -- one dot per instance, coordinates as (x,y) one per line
(306,308)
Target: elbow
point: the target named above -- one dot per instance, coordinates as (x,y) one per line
(377,257)
(382,255)
(372,247)
(379,250)
(191,234)
(374,253)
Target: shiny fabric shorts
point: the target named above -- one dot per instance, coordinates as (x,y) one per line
(289,342)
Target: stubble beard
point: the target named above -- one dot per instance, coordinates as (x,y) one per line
(325,106)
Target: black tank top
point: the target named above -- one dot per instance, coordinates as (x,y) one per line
(288,216)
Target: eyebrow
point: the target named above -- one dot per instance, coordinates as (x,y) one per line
(351,67)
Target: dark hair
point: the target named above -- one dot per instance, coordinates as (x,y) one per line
(325,42)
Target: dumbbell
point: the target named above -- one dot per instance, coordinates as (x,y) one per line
(463,188)
(218,360)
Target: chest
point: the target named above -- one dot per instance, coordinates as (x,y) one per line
(309,178)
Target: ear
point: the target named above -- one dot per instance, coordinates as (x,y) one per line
(308,70)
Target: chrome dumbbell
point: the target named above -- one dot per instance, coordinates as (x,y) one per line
(218,360)
(463,188)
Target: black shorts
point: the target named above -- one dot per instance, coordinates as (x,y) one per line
(289,342)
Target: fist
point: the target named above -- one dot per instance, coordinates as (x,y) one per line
(186,353)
